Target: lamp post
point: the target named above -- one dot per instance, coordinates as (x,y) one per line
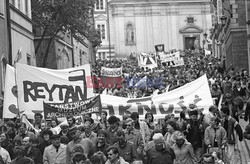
(223,20)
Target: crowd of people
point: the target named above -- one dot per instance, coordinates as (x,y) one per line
(194,137)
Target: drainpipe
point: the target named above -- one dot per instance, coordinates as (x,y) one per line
(9,32)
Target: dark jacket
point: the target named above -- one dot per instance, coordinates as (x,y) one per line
(95,149)
(247,112)
(128,153)
(195,134)
(36,155)
(24,160)
(165,156)
(230,125)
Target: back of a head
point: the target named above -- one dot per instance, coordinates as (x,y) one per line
(225,110)
(25,160)
(78,157)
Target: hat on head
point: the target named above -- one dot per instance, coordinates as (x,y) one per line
(55,136)
(64,125)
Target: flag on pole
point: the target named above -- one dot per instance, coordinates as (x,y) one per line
(18,55)
(29,125)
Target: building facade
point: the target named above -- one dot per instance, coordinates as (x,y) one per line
(230,34)
(15,34)
(83,52)
(139,25)
(21,31)
(4,40)
(102,24)
(247,4)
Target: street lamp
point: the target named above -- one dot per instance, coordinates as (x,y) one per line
(223,20)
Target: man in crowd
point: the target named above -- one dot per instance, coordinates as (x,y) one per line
(126,148)
(114,156)
(38,119)
(183,150)
(11,130)
(64,133)
(71,122)
(194,133)
(133,135)
(141,126)
(101,146)
(56,152)
(85,142)
(231,126)
(160,153)
(23,132)
(88,133)
(112,130)
(32,152)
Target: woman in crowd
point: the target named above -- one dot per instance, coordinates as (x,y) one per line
(215,135)
(169,136)
(149,119)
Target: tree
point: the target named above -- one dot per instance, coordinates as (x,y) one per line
(54,16)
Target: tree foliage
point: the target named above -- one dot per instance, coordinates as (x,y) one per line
(74,16)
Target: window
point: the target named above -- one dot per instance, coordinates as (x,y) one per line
(99,5)
(28,59)
(1,7)
(130,34)
(102,31)
(99,55)
(27,7)
(19,4)
(80,57)
(12,2)
(190,20)
(103,55)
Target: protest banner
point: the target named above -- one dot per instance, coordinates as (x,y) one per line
(147,60)
(62,110)
(174,62)
(10,107)
(110,77)
(175,101)
(36,85)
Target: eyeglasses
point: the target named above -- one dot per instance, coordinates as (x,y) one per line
(129,125)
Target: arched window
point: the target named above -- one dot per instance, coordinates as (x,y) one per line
(130,34)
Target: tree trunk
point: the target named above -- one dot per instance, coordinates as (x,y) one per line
(41,40)
(44,59)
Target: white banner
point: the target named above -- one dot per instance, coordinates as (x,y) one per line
(147,60)
(111,72)
(175,62)
(36,85)
(175,101)
(10,108)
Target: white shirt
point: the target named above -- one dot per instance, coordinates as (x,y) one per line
(5,155)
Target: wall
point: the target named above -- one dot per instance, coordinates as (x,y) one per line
(157,22)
